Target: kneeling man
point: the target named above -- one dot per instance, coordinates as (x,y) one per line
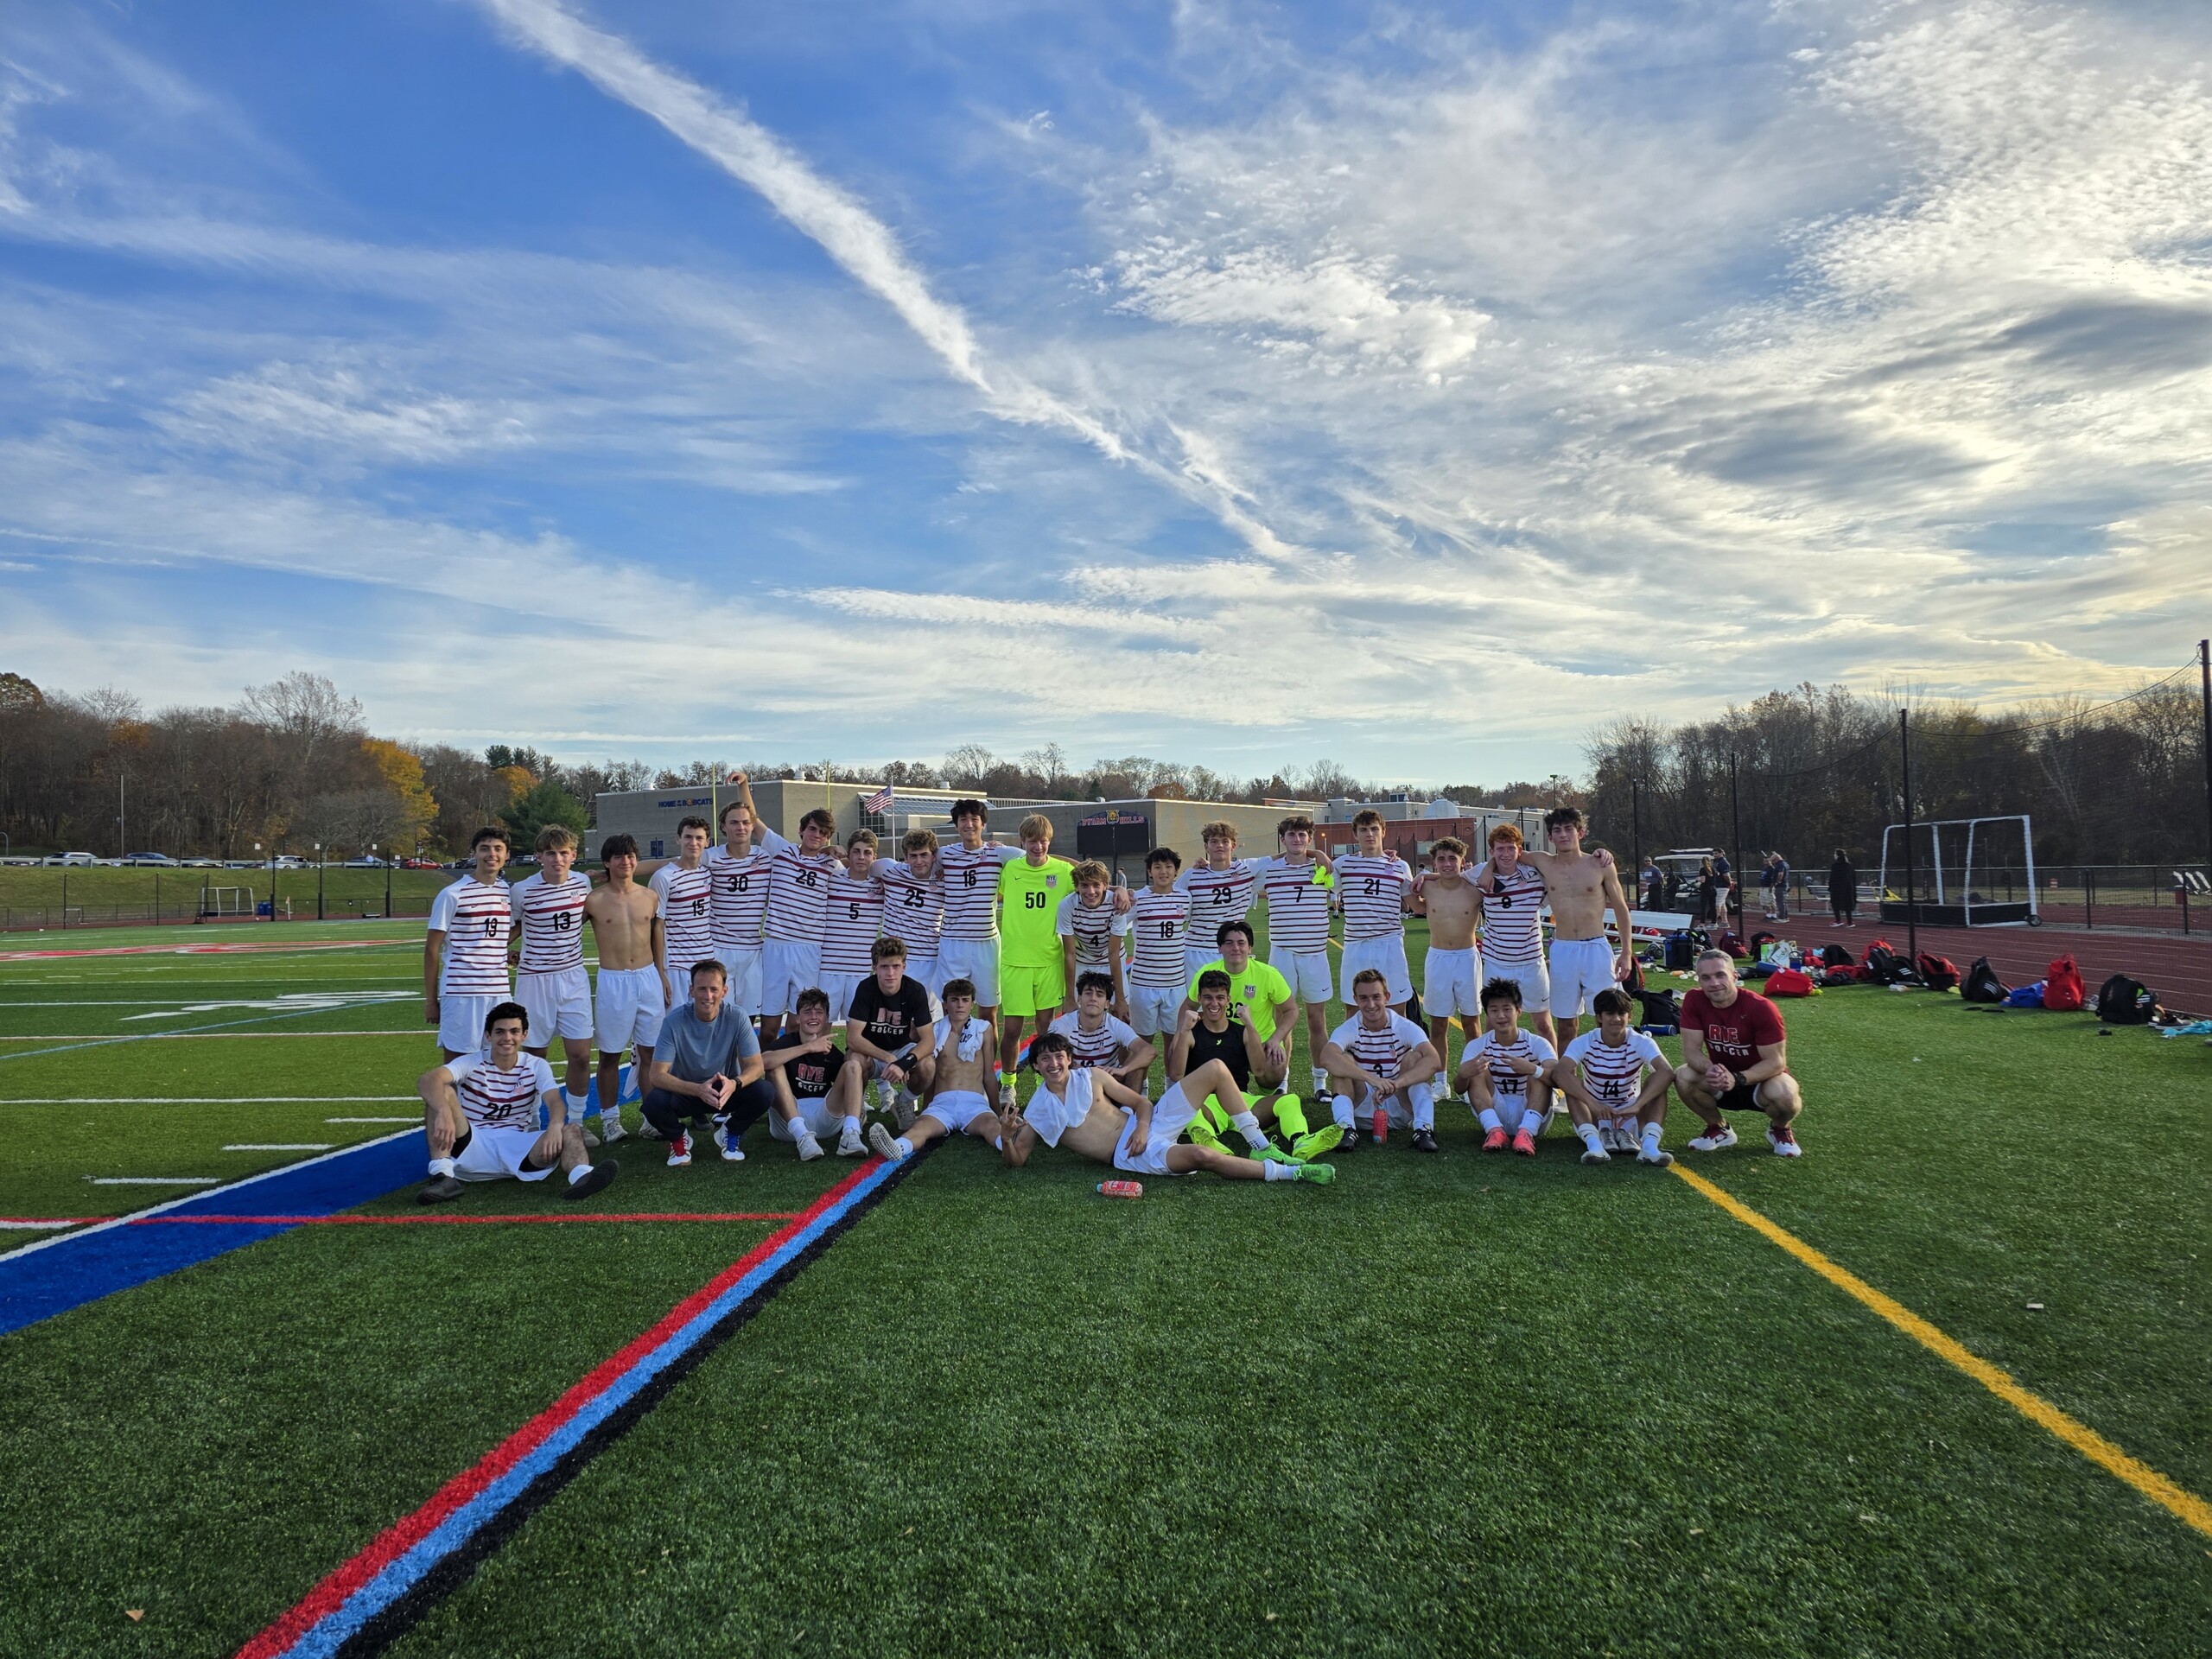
(706,1065)
(1735,1058)
(479,1113)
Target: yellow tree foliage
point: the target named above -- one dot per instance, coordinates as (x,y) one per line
(402,773)
(519,781)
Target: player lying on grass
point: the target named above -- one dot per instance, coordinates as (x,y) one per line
(1451,981)
(1089,1114)
(479,1114)
(890,1030)
(1735,1058)
(1506,1073)
(465,950)
(706,1067)
(1615,1081)
(632,995)
(960,1096)
(1382,1064)
(1208,1035)
(816,1084)
(1100,1038)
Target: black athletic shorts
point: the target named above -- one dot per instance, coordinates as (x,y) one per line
(1743,1097)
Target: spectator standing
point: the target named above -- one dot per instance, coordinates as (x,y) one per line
(1651,887)
(1766,886)
(1843,892)
(1709,892)
(1776,877)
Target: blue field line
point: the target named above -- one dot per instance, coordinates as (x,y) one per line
(55,1275)
(156,1036)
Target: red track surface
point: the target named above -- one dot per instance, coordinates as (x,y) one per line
(2179,969)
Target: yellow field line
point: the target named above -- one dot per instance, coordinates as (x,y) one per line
(2091,1445)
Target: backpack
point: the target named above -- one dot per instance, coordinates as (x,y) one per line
(1937,973)
(1789,981)
(1883,966)
(1839,975)
(1729,942)
(2064,989)
(2125,1001)
(1836,956)
(1661,1011)
(1681,951)
(1759,942)
(1982,983)
(1634,983)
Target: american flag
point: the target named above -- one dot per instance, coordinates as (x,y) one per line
(879,802)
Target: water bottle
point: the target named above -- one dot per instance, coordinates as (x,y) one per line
(1120,1188)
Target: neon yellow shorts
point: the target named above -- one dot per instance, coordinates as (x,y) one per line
(1025,991)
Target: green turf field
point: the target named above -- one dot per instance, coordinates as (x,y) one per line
(1446,1405)
(37,896)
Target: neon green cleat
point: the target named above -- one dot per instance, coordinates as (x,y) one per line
(1319,1175)
(1272,1154)
(1204,1134)
(1324,1139)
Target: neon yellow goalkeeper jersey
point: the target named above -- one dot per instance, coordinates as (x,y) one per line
(1029,904)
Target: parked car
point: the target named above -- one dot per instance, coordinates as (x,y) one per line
(148,858)
(288,862)
(366,861)
(202,863)
(418,863)
(77,859)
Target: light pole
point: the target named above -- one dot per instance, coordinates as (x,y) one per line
(273,895)
(320,865)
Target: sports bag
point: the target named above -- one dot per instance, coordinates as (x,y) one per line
(1982,983)
(1789,981)
(2025,997)
(2063,989)
(1729,942)
(1681,951)
(1660,1010)
(1836,956)
(1937,973)
(2125,1001)
(1883,966)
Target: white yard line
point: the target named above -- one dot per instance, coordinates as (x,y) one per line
(155,1180)
(280,1146)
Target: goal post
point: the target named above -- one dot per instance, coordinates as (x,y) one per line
(226,901)
(1966,872)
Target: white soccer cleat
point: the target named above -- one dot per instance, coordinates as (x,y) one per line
(610,1127)
(1658,1157)
(732,1153)
(1784,1141)
(1718,1140)
(1005,1094)
(1608,1137)
(809,1147)
(881,1090)
(849,1144)
(1596,1155)
(885,1147)
(905,1107)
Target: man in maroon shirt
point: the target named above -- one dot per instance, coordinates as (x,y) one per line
(1733,1059)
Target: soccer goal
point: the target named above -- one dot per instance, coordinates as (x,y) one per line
(1965,872)
(226,901)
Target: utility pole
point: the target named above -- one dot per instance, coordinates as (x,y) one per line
(2204,662)
(1912,869)
(121,828)
(1735,842)
(1636,831)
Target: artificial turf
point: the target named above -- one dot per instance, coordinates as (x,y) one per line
(1459,1404)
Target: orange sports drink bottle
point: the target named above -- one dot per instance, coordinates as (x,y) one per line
(1382,1124)
(1120,1188)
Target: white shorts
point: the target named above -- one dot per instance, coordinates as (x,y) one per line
(1579,970)
(1412,1107)
(842,988)
(629,1008)
(788,967)
(1195,957)
(679,986)
(822,1122)
(1533,979)
(497,1154)
(1387,956)
(975,961)
(957,1107)
(1153,1009)
(460,1021)
(559,1005)
(929,970)
(1307,972)
(1170,1118)
(1452,983)
(743,962)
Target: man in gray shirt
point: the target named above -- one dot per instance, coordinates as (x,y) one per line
(706,1065)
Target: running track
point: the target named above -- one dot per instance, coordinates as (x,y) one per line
(2179,969)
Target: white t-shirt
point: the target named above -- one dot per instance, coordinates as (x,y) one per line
(1526,1046)
(1383,1051)
(500,1100)
(1614,1074)
(1052,1116)
(1103,1046)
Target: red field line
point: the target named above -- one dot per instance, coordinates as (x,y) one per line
(450,1221)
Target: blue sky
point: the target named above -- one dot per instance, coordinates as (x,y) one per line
(1237,384)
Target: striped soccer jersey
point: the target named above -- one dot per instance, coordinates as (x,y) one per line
(1297,912)
(852,915)
(740,891)
(799,887)
(1381,1051)
(914,908)
(500,1100)
(477,920)
(1614,1074)
(1513,931)
(972,889)
(551,918)
(1218,896)
(1373,894)
(1504,1079)
(1158,922)
(1093,931)
(687,907)
(1103,1046)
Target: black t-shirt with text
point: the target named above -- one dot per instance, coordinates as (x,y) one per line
(893,1019)
(811,1076)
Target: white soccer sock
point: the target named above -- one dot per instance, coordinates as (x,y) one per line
(576,1103)
(1320,1080)
(441,1166)
(1488,1116)
(1590,1138)
(578,1174)
(1340,1109)
(906,1146)
(1424,1113)
(1279,1172)
(1651,1132)
(1248,1124)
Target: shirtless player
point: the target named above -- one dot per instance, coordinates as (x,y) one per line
(1452,983)
(1581,885)
(960,1093)
(634,990)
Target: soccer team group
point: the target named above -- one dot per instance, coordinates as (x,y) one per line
(803,983)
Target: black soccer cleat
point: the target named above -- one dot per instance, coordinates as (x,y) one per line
(443,1190)
(1351,1142)
(1424,1141)
(601,1177)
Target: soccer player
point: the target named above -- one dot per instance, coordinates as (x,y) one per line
(1373,888)
(1581,887)
(1451,979)
(1506,1074)
(1300,887)
(891,1029)
(464,951)
(1221,890)
(852,918)
(799,894)
(1088,1113)
(1089,925)
(818,1084)
(1381,1063)
(549,910)
(969,947)
(1258,994)
(632,993)
(959,1100)
(1030,891)
(1512,889)
(1735,1058)
(1099,1037)
(706,1065)
(687,906)
(1160,916)
(1207,1034)
(738,873)
(1615,1080)
(480,1115)
(913,906)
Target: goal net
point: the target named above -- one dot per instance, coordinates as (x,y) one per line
(226,901)
(1961,872)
